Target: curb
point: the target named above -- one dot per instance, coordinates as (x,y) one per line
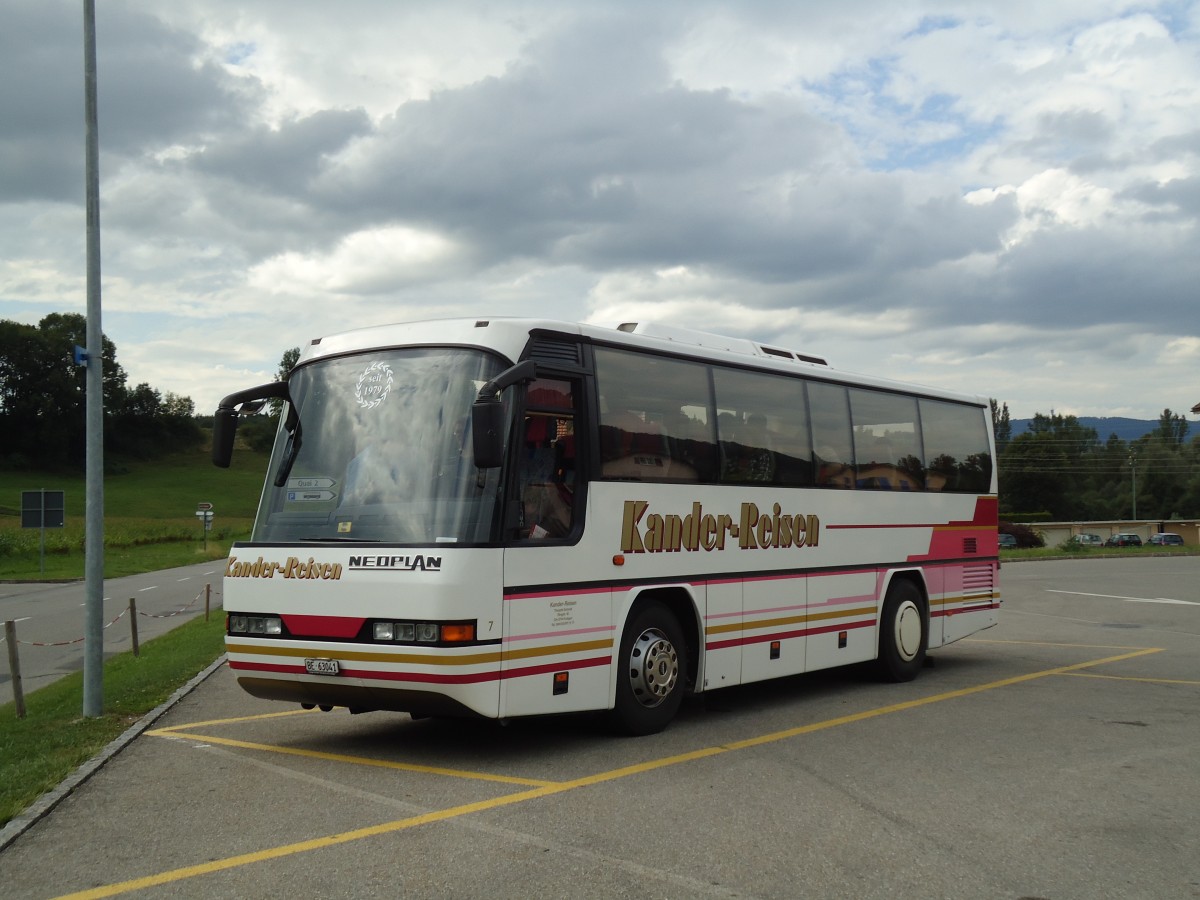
(44,804)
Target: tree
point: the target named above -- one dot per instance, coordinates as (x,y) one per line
(286,363)
(42,398)
(1048,467)
(1171,428)
(1001,425)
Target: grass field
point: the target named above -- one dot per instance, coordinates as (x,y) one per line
(149,515)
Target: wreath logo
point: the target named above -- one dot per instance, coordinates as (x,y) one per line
(374,385)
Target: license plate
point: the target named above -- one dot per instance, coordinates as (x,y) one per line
(321,666)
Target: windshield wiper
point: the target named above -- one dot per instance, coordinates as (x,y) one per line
(292,450)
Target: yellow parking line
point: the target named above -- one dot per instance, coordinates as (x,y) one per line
(270,715)
(1049,644)
(355,760)
(1131,678)
(547,790)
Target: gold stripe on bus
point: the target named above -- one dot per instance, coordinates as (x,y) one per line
(789,620)
(987,597)
(471,659)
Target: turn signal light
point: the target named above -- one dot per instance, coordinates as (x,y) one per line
(458,632)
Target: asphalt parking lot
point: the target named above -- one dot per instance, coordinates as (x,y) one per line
(1054,756)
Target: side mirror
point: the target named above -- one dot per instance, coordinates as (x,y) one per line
(224,428)
(225,419)
(487,433)
(487,414)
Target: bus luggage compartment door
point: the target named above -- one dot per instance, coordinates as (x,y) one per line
(559,638)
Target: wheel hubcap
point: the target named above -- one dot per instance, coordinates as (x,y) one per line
(653,667)
(908,630)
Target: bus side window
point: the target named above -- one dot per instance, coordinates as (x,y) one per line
(833,450)
(546,466)
(546,477)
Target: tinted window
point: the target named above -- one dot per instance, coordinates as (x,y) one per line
(762,428)
(887,441)
(833,451)
(655,420)
(956,447)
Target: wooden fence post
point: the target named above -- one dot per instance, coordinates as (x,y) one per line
(14,667)
(133,625)
(207,599)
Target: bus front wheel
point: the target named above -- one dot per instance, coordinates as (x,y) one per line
(903,635)
(652,668)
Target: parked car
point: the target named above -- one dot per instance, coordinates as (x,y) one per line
(1087,540)
(1166,539)
(1008,542)
(1123,540)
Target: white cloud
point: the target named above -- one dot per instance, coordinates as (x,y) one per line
(997,197)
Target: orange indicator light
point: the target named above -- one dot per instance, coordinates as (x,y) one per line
(618,560)
(458,633)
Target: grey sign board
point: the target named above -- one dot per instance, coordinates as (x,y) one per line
(43,509)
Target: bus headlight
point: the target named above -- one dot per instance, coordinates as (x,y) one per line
(239,624)
(423,632)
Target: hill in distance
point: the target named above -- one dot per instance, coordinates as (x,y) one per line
(1125,429)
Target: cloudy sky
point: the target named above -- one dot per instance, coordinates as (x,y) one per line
(998,197)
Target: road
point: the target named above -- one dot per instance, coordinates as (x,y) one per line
(1052,756)
(50,617)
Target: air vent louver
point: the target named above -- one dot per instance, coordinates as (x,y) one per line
(555,352)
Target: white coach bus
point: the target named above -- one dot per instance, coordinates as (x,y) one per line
(506,517)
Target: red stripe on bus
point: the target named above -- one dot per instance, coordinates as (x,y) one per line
(977,607)
(782,635)
(429,678)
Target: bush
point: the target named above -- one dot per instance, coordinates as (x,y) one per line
(1026,537)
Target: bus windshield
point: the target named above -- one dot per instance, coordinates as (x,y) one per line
(377,447)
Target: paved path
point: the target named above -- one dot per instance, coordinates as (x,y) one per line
(50,617)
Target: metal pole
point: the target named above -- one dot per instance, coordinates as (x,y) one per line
(1133,475)
(42,543)
(93,634)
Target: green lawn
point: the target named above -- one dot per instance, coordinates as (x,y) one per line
(1094,552)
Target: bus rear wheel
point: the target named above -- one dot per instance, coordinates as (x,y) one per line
(903,634)
(652,668)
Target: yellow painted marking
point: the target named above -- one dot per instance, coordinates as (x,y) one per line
(355,760)
(467,809)
(1050,644)
(273,715)
(1131,678)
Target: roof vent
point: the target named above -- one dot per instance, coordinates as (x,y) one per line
(714,341)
